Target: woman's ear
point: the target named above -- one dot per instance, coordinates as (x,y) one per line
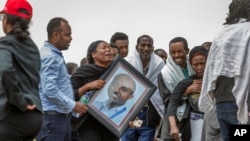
(93,54)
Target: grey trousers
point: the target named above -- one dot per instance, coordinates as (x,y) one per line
(165,132)
(211,128)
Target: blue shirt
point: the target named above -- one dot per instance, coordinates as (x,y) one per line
(55,87)
(116,114)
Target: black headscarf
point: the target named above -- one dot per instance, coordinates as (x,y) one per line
(197,50)
(92,48)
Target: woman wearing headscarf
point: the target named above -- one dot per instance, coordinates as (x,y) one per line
(188,90)
(86,78)
(20,104)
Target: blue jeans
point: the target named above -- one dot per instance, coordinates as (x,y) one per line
(227,115)
(139,134)
(143,133)
(55,128)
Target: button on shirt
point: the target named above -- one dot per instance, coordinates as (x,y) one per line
(55,87)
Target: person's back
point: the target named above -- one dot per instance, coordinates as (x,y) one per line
(19,75)
(226,78)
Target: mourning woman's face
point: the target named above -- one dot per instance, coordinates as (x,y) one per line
(103,55)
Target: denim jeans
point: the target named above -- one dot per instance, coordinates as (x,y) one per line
(143,133)
(139,134)
(55,128)
(227,115)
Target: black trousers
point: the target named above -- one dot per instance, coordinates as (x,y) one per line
(92,130)
(20,126)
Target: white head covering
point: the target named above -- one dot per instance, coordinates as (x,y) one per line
(155,66)
(172,73)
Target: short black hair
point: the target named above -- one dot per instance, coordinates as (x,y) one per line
(54,25)
(144,36)
(206,43)
(180,39)
(159,49)
(71,67)
(118,36)
(84,61)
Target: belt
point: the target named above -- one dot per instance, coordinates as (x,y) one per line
(196,116)
(54,113)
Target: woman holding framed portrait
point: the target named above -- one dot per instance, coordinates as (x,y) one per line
(86,78)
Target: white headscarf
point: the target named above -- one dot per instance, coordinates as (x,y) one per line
(155,66)
(172,73)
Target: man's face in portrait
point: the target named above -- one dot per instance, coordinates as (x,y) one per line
(121,89)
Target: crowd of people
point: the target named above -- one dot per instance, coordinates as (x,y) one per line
(200,91)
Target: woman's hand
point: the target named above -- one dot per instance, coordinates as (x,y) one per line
(174,132)
(94,85)
(194,87)
(97,84)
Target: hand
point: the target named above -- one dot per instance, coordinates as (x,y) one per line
(174,132)
(97,84)
(131,123)
(80,108)
(195,86)
(30,107)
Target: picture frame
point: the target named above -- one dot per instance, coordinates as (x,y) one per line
(125,93)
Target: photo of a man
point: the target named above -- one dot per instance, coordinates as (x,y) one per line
(120,90)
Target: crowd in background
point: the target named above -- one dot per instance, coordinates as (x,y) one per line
(200,91)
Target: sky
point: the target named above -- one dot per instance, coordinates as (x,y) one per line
(196,20)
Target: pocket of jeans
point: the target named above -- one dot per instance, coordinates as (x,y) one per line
(49,125)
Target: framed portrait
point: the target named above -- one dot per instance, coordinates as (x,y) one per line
(125,93)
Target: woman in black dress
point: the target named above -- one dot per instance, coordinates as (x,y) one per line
(86,78)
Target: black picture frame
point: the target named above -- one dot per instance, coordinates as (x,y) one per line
(142,93)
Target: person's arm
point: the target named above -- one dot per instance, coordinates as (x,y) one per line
(176,97)
(49,75)
(174,102)
(194,87)
(82,84)
(10,82)
(163,90)
(174,131)
(94,85)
